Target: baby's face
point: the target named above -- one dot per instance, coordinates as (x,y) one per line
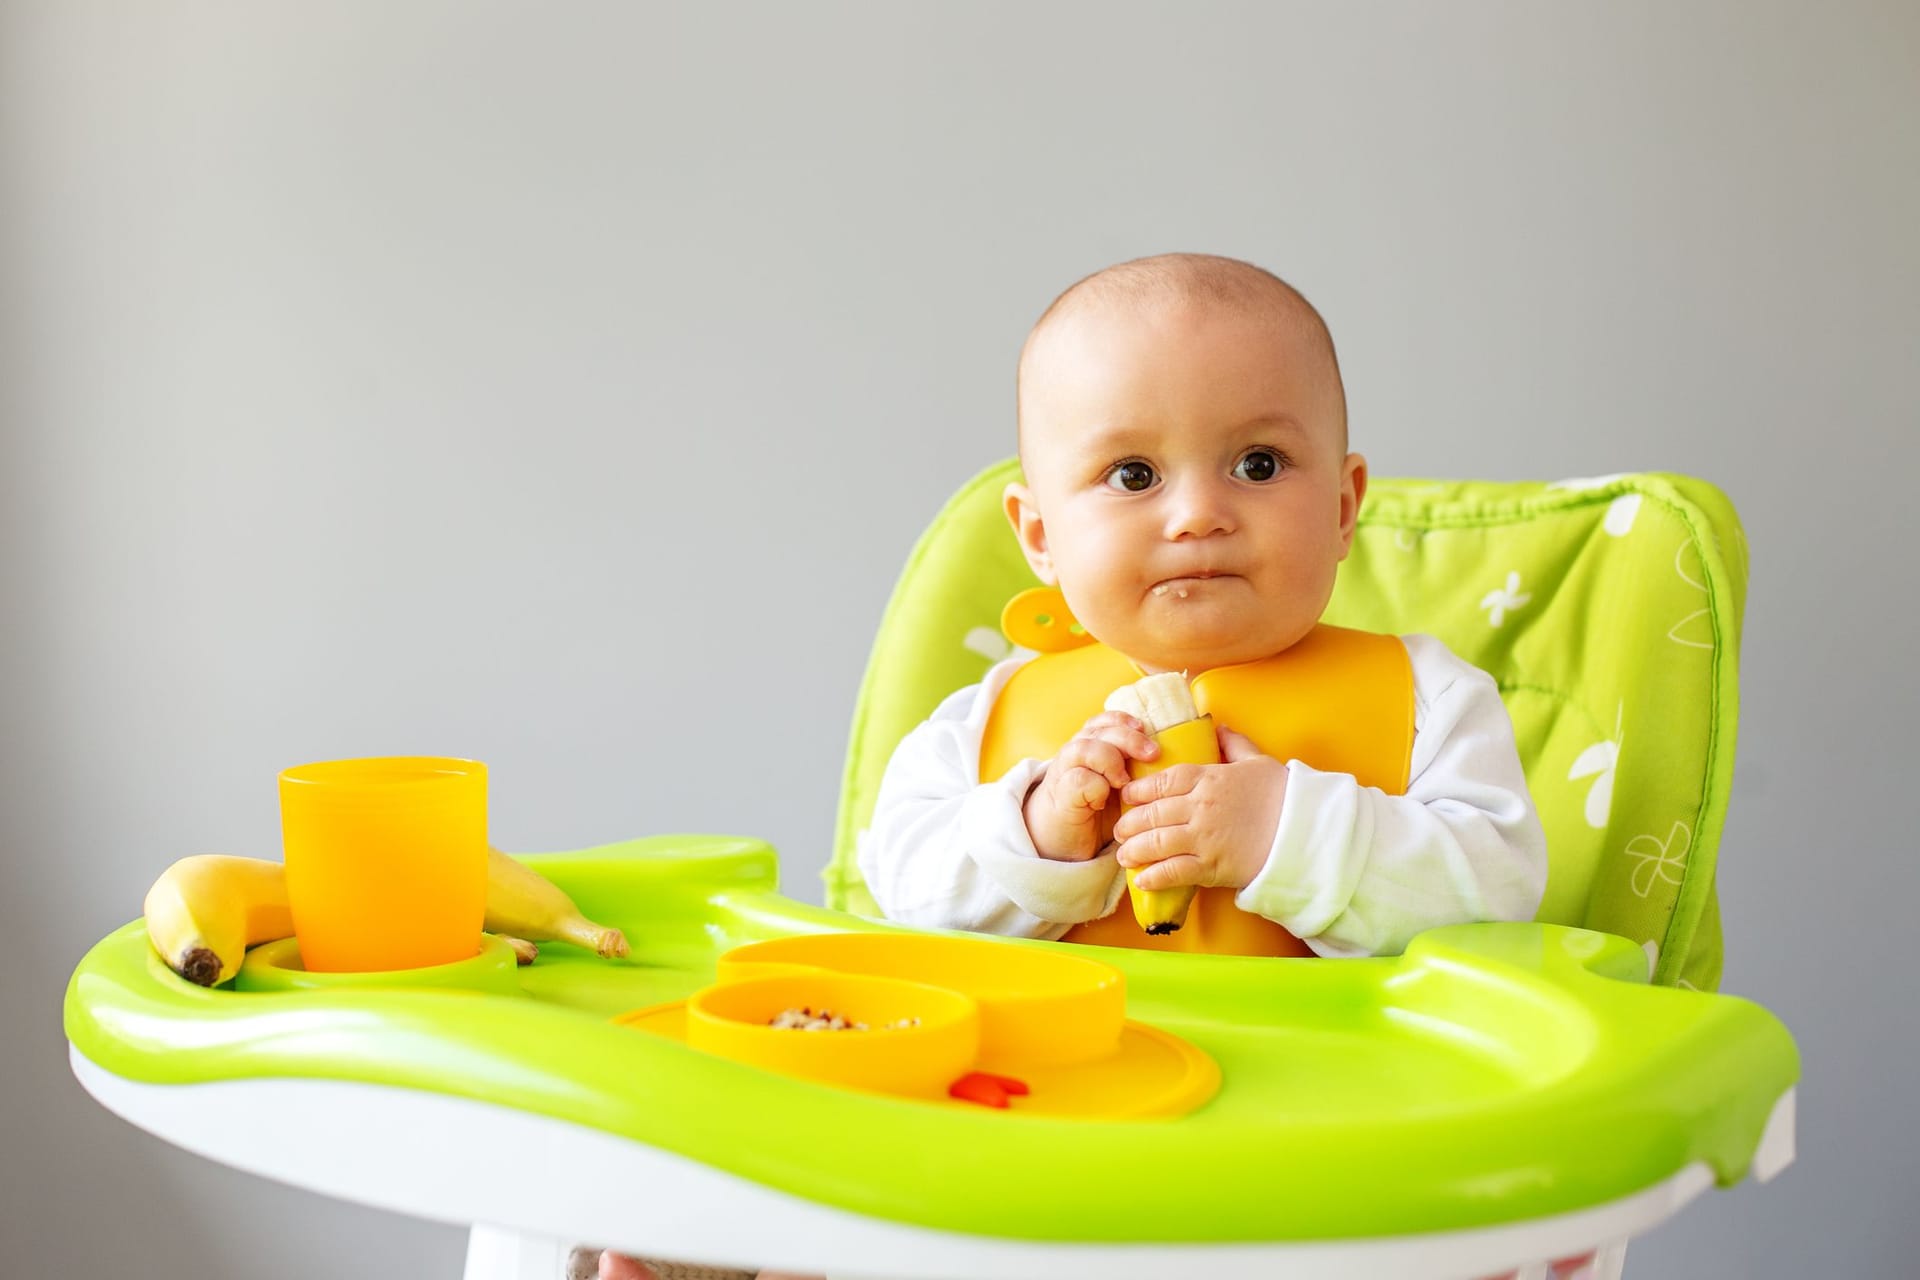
(1187,481)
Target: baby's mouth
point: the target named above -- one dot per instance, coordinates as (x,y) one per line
(1180,587)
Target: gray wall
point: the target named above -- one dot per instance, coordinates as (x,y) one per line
(564,385)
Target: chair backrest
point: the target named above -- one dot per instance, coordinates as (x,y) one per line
(1607,609)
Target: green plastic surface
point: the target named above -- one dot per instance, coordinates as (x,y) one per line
(1607,610)
(1493,1073)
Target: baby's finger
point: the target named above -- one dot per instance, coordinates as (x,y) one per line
(1124,732)
(1235,747)
(1176,780)
(1129,736)
(1153,846)
(1170,873)
(1107,718)
(1104,758)
(1174,811)
(1079,787)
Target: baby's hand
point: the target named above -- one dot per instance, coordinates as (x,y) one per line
(1203,824)
(1065,811)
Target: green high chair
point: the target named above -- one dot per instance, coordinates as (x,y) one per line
(1607,609)
(1502,1100)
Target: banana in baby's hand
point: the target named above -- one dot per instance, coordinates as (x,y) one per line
(1164,706)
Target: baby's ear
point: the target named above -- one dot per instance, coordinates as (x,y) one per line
(1353,491)
(1023,513)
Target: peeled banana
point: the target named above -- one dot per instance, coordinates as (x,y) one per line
(1157,702)
(205,911)
(1163,704)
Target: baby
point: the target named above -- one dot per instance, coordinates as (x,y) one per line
(1189,490)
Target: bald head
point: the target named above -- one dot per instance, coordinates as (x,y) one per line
(1192,281)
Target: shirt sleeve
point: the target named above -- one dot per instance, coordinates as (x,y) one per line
(946,851)
(1355,871)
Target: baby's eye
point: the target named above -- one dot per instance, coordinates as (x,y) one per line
(1131,476)
(1258,465)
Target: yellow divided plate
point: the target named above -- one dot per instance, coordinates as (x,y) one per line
(937,1008)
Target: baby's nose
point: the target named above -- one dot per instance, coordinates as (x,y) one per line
(1198,511)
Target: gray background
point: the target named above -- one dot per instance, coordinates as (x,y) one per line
(564,386)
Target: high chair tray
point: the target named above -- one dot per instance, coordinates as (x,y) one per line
(1494,1074)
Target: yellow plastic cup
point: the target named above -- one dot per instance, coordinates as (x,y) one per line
(386,861)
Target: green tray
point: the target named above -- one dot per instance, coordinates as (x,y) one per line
(1495,1073)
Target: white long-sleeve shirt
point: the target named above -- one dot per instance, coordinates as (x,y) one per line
(1352,870)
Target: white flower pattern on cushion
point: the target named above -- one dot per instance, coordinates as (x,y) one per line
(1498,601)
(1660,862)
(1603,759)
(1699,584)
(1620,514)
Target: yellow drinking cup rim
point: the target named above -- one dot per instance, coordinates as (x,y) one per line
(379,779)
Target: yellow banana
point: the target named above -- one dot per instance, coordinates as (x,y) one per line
(525,904)
(1163,703)
(206,910)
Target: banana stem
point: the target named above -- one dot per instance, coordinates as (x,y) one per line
(200,966)
(524,952)
(609,944)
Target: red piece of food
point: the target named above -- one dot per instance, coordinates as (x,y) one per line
(987,1089)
